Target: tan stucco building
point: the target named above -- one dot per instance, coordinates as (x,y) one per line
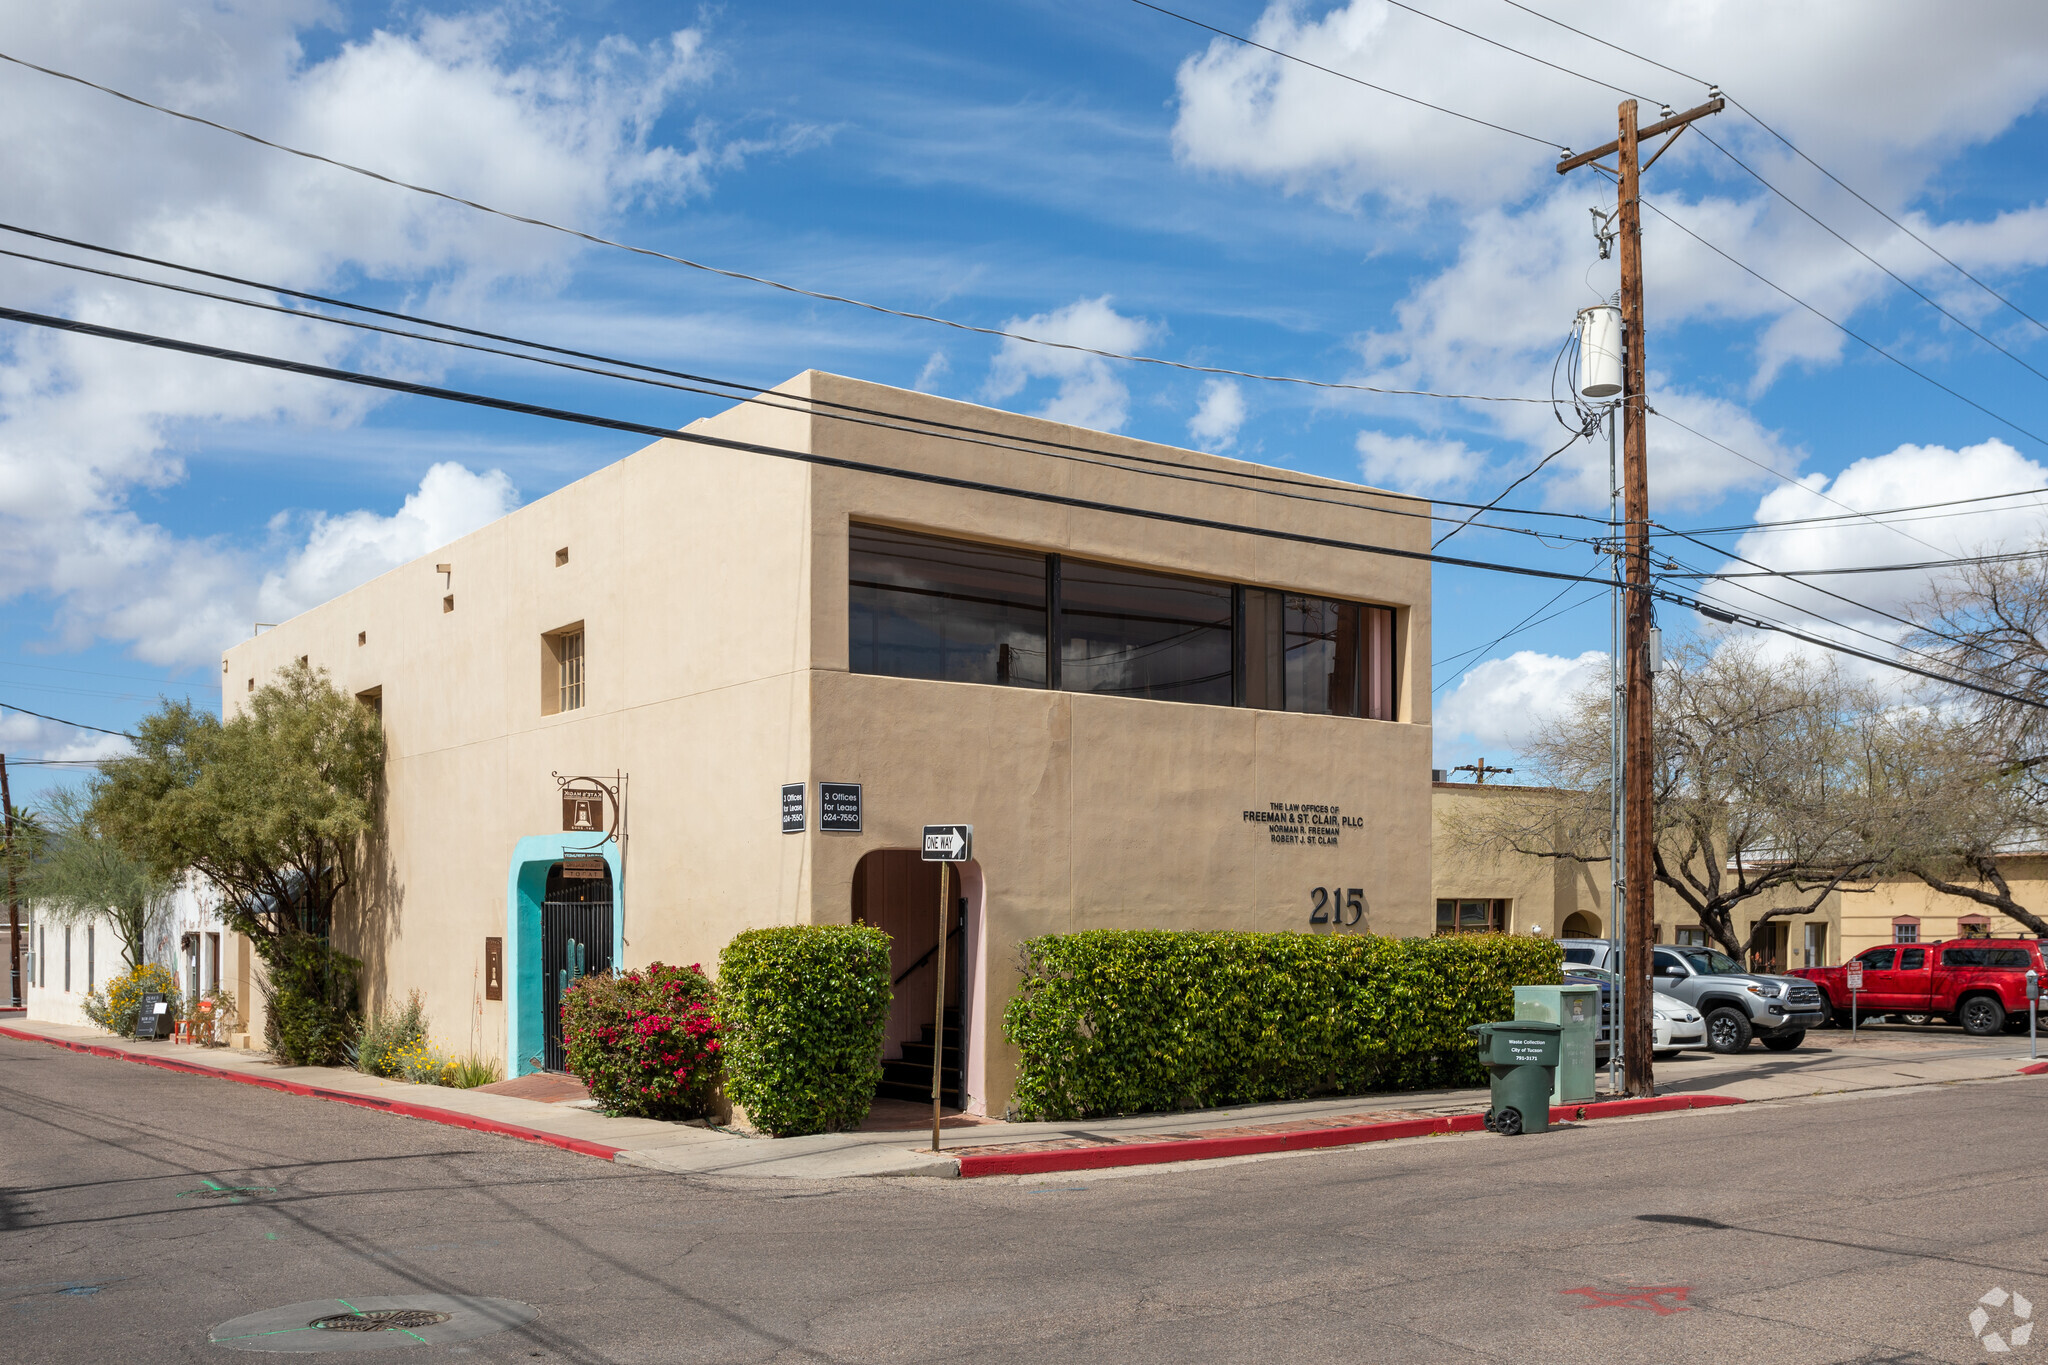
(1190,719)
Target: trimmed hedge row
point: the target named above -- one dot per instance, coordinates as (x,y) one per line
(1117,1021)
(804,1008)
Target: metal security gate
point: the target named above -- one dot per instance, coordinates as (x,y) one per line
(576,940)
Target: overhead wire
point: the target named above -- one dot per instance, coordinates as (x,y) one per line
(1880,512)
(58,720)
(484,401)
(650,252)
(1528,622)
(1901,280)
(1346,76)
(825,408)
(688,437)
(1797,151)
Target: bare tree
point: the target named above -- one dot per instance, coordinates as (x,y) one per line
(1758,795)
(1964,777)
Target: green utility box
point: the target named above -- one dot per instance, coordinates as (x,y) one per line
(1521,1057)
(1576,1005)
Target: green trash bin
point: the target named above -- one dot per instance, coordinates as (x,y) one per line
(1576,1005)
(1520,1056)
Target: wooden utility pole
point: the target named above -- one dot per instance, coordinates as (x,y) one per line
(17,989)
(1639,874)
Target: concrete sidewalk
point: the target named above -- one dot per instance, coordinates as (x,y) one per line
(1829,1063)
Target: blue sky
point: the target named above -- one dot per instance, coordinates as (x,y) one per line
(1098,173)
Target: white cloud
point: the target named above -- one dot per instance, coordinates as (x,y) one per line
(1907,476)
(1089,393)
(341,552)
(1498,704)
(1414,464)
(86,424)
(1216,421)
(1902,91)
(934,370)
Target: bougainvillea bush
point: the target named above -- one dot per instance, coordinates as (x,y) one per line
(644,1042)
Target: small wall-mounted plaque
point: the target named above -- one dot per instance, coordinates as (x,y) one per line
(793,808)
(839,807)
(584,869)
(494,969)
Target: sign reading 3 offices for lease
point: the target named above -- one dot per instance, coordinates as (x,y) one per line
(1304,824)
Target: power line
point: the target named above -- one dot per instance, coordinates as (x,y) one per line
(1343,76)
(748,447)
(1851,516)
(1789,146)
(56,720)
(1526,623)
(1781,474)
(1900,279)
(1536,469)
(787,288)
(2008,557)
(1604,43)
(1758,623)
(1845,330)
(788,403)
(857,466)
(1530,56)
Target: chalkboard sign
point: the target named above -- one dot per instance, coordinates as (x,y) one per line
(155,1020)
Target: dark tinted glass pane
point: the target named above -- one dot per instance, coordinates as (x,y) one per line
(926,607)
(1378,683)
(1321,641)
(2006,957)
(1913,959)
(1878,960)
(1446,917)
(1128,633)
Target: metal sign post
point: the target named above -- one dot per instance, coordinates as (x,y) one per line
(1854,973)
(943,844)
(2033,1013)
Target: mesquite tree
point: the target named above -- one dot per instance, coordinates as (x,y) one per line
(1758,793)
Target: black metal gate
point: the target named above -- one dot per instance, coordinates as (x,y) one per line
(575,940)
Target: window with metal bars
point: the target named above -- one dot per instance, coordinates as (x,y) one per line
(562,670)
(572,671)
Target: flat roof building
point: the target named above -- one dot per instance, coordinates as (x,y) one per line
(1130,667)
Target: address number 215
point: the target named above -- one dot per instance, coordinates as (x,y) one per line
(1336,905)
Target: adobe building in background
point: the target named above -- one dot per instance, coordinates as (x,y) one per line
(745,682)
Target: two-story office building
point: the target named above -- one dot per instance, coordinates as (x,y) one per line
(1167,689)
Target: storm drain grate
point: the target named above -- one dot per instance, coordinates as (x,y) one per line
(380,1320)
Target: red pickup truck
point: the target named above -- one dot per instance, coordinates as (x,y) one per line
(1979,983)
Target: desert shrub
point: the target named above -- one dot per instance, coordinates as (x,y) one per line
(116,1006)
(804,1008)
(391,1036)
(312,995)
(471,1070)
(644,1042)
(1113,1021)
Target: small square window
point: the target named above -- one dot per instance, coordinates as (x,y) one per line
(1905,933)
(304,660)
(448,602)
(362,637)
(561,556)
(252,684)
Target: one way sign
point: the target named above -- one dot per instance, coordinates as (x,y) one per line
(948,843)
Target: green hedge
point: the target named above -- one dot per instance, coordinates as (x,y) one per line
(804,1009)
(1114,1021)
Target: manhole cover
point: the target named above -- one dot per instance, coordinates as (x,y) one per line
(382,1320)
(372,1324)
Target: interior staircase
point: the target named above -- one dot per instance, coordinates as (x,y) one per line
(909,1077)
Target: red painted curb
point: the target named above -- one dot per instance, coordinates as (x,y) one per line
(404,1108)
(2035,1069)
(1256,1144)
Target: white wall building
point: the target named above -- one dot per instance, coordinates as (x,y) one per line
(66,961)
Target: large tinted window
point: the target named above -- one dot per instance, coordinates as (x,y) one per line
(1985,957)
(925,607)
(1130,633)
(1317,655)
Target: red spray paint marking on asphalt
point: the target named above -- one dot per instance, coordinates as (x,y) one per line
(1641,1298)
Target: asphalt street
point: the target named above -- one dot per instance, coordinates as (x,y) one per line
(140,1209)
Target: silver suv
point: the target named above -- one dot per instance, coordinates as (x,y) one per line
(1738,1005)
